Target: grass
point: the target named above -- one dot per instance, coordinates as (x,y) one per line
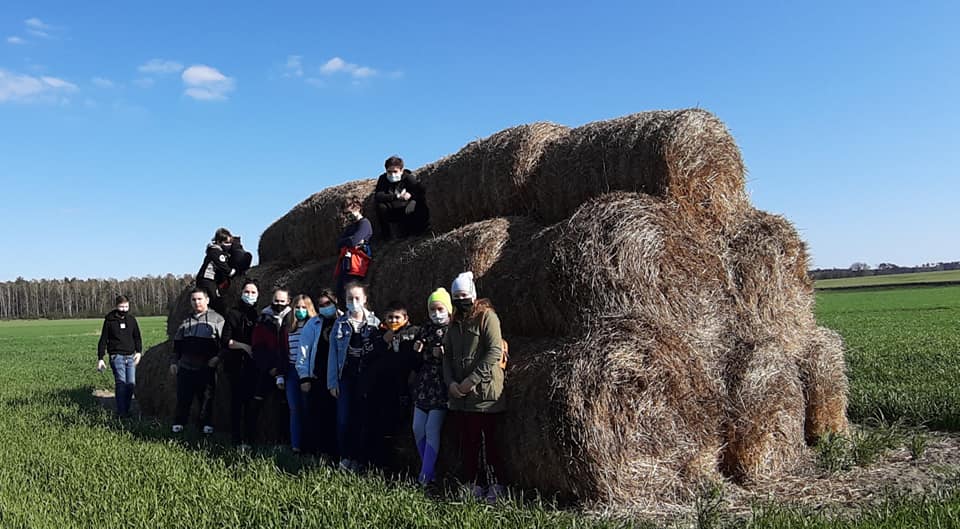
(65,462)
(903,352)
(891,280)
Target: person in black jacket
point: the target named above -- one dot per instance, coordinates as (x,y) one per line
(120,338)
(238,364)
(357,234)
(224,259)
(401,202)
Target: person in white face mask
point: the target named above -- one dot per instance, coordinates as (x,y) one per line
(401,202)
(238,364)
(430,391)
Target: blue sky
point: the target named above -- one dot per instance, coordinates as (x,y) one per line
(129,131)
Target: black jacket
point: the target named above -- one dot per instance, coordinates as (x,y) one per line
(386,191)
(120,335)
(239,328)
(216,265)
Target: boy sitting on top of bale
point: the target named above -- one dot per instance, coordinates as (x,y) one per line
(401,203)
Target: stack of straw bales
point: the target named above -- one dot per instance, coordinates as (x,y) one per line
(662,331)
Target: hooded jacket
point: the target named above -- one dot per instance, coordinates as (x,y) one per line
(239,328)
(198,339)
(120,335)
(269,340)
(472,349)
(216,264)
(387,192)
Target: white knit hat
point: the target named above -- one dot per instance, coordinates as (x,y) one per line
(464,283)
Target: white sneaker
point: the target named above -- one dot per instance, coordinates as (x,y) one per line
(244,447)
(177,428)
(207,430)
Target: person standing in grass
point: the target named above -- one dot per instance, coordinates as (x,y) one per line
(320,415)
(472,371)
(120,339)
(352,341)
(429,390)
(271,347)
(238,363)
(196,348)
(302,311)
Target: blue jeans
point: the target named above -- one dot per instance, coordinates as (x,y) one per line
(125,376)
(296,402)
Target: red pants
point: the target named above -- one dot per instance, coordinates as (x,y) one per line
(479,431)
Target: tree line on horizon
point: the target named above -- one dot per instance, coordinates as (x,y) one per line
(860,269)
(88,298)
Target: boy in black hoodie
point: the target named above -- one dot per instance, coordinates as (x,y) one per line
(120,338)
(401,202)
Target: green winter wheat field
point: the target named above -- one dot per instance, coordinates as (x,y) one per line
(65,462)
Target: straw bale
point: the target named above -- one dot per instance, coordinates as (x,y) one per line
(310,230)
(490,177)
(686,156)
(825,386)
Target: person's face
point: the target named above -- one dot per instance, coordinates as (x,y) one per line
(461,294)
(350,213)
(356,296)
(302,304)
(324,301)
(395,171)
(396,318)
(227,243)
(281,298)
(251,289)
(199,301)
(123,307)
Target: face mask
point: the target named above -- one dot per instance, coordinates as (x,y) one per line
(394,177)
(355,215)
(301,314)
(249,299)
(329,311)
(123,310)
(278,308)
(395,326)
(354,308)
(226,245)
(440,317)
(463,305)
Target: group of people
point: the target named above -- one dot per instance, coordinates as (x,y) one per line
(351,379)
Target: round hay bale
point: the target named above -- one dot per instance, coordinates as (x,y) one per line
(825,386)
(620,417)
(490,177)
(686,156)
(766,412)
(772,293)
(309,231)
(157,397)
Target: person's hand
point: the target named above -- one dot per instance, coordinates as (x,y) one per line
(335,392)
(101,365)
(405,195)
(305,387)
(173,369)
(281,384)
(454,391)
(213,362)
(465,387)
(136,358)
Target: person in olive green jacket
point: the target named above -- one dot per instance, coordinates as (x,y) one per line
(474,379)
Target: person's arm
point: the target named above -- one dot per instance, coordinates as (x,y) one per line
(137,339)
(382,194)
(492,339)
(333,367)
(364,232)
(220,260)
(308,350)
(453,388)
(102,344)
(414,186)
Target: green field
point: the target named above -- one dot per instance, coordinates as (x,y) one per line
(65,462)
(891,280)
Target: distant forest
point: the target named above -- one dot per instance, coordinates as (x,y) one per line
(864,269)
(88,298)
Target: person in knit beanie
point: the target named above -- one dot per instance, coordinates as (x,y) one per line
(473,374)
(429,391)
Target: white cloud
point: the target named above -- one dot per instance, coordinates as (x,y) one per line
(38,28)
(160,66)
(338,65)
(102,83)
(206,83)
(143,82)
(294,66)
(15,40)
(15,87)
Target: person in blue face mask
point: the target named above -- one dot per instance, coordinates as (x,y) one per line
(238,364)
(320,416)
(302,312)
